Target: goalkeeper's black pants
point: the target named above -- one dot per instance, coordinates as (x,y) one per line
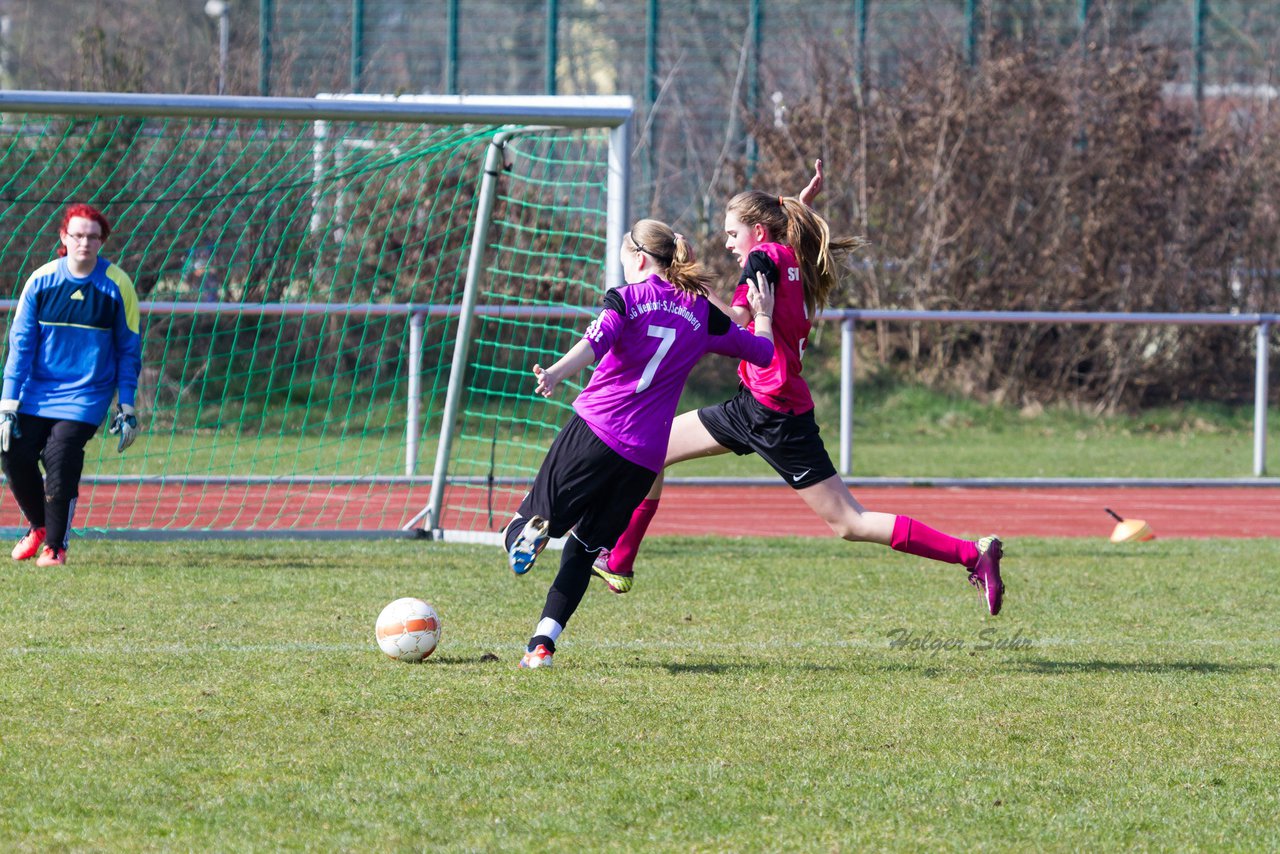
(47,500)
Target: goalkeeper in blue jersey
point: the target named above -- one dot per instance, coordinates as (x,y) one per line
(73,346)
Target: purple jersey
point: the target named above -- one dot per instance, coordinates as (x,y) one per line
(648,339)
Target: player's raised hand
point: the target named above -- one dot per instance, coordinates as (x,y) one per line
(814,187)
(760,295)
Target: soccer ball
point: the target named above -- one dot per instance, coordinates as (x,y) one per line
(408,629)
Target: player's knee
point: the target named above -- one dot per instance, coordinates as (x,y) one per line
(63,465)
(61,491)
(852,527)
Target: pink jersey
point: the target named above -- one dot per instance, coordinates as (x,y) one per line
(779,385)
(648,339)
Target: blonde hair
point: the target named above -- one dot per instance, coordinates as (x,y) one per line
(673,254)
(794,223)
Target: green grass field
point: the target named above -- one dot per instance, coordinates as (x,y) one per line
(749,695)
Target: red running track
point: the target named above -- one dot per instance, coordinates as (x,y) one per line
(1043,512)
(701,510)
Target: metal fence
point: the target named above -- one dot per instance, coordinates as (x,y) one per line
(1261,323)
(848,318)
(696,68)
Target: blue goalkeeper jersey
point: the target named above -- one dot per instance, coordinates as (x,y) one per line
(73,343)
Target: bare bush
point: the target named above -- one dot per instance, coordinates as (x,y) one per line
(1072,184)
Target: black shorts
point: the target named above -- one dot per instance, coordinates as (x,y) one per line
(585,485)
(789,443)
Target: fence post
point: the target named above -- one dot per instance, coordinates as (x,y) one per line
(973,31)
(846,394)
(651,88)
(357,45)
(417,325)
(451,50)
(265,22)
(553,44)
(754,26)
(1260,399)
(860,60)
(1199,12)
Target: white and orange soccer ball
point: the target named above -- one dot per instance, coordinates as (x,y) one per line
(408,629)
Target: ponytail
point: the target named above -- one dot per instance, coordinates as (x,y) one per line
(817,252)
(673,253)
(685,273)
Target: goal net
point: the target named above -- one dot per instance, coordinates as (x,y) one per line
(341,298)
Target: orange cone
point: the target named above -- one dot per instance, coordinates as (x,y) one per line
(1130,530)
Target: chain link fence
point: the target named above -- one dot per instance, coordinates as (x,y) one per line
(702,71)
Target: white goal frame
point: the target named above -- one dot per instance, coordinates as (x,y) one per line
(515,115)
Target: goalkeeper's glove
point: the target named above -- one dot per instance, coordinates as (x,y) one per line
(8,423)
(126,424)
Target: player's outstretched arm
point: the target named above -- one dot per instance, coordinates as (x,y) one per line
(578,357)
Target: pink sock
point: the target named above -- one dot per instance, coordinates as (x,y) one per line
(917,538)
(622,557)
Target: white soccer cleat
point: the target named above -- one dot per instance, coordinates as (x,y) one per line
(539,656)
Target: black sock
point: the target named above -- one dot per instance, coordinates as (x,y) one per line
(570,584)
(545,641)
(513,530)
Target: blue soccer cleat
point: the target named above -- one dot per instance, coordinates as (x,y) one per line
(528,545)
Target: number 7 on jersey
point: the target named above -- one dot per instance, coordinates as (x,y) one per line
(668,336)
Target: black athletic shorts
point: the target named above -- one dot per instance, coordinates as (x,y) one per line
(789,443)
(585,485)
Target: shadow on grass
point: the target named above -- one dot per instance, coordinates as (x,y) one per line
(1041,666)
(722,668)
(481,658)
(931,667)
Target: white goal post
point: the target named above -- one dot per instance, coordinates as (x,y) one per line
(309,273)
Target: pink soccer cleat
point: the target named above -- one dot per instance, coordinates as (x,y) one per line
(618,582)
(986,573)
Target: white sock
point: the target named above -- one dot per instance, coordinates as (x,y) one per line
(548,627)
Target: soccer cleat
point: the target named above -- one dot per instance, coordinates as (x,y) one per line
(29,545)
(532,540)
(986,573)
(539,656)
(52,557)
(617,582)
